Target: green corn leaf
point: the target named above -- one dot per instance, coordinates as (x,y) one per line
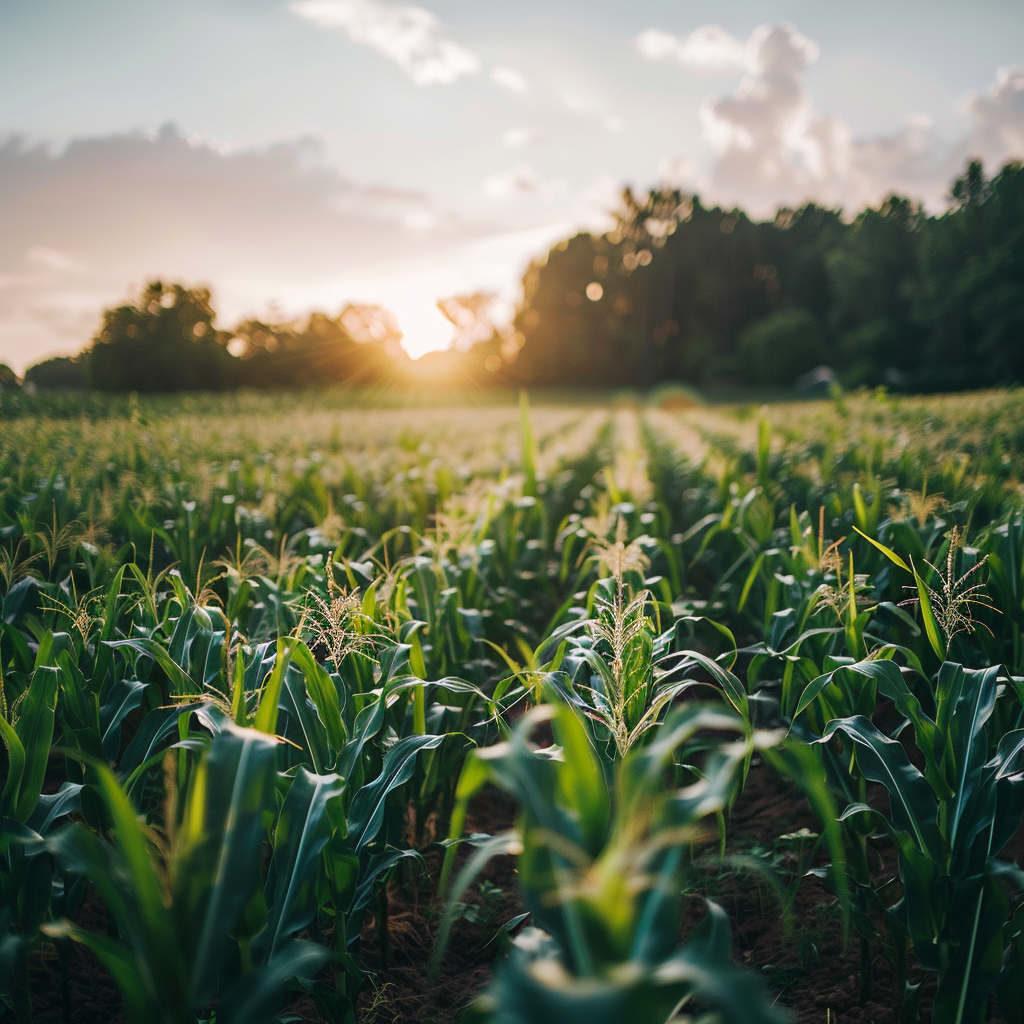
(967,745)
(802,763)
(221,834)
(51,806)
(931,625)
(978,915)
(366,814)
(267,713)
(528,447)
(141,1002)
(302,831)
(581,780)
(888,552)
(155,728)
(239,710)
(749,583)
(181,682)
(473,777)
(132,845)
(120,699)
(35,733)
(764,451)
(314,736)
(883,760)
(859,508)
(490,846)
(256,998)
(324,695)
(15,768)
(731,686)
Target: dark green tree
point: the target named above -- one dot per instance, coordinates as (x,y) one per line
(783,346)
(873,272)
(163,341)
(61,373)
(680,292)
(970,302)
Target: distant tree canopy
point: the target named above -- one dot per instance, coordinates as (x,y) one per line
(61,373)
(679,292)
(166,340)
(362,345)
(675,292)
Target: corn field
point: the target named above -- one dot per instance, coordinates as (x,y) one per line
(517,714)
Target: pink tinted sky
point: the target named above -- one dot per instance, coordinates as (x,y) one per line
(301,154)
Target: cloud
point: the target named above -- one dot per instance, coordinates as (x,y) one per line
(81,228)
(770,146)
(998,117)
(510,80)
(517,182)
(678,172)
(50,259)
(515,138)
(410,36)
(709,49)
(590,105)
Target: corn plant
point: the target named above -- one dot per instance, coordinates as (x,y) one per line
(601,872)
(949,822)
(187,903)
(26,817)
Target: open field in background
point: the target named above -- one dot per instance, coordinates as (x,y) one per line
(319,709)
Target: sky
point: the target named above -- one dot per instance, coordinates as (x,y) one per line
(300,154)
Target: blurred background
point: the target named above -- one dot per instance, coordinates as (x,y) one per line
(226,193)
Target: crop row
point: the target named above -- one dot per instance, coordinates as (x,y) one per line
(254,671)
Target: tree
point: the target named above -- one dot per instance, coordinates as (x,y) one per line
(362,346)
(782,347)
(873,273)
(163,341)
(969,304)
(65,373)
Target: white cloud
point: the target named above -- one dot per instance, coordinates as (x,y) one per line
(50,259)
(708,49)
(678,171)
(515,138)
(510,79)
(590,105)
(998,117)
(516,182)
(594,206)
(410,36)
(770,146)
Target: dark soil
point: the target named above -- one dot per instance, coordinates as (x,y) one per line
(68,983)
(815,978)
(400,989)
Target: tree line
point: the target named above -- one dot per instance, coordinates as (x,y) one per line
(680,292)
(676,291)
